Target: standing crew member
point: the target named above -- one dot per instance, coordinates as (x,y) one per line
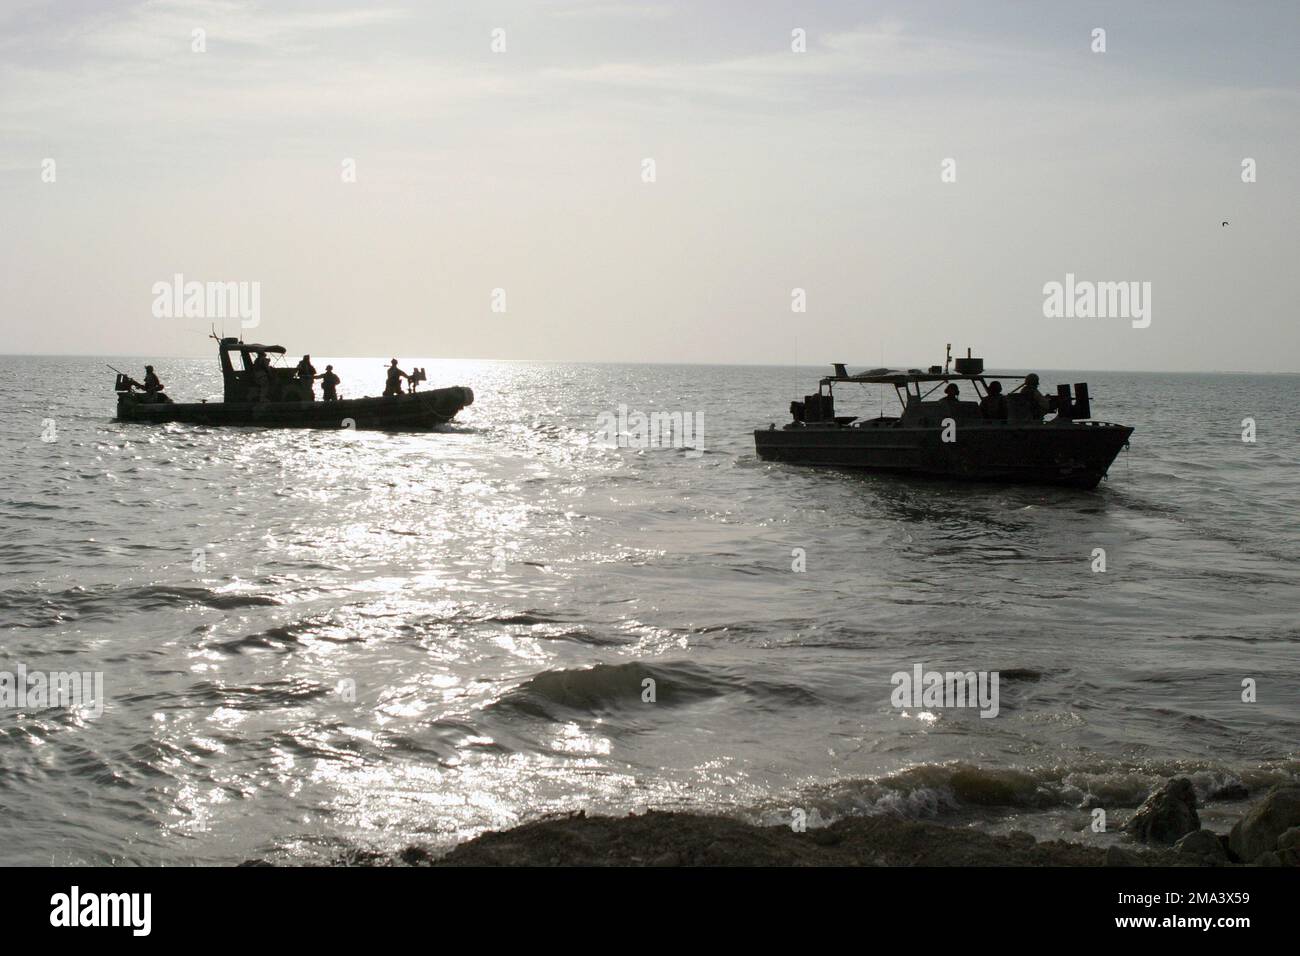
(307,376)
(328,382)
(260,374)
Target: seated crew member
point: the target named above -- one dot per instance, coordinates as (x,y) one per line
(328,382)
(994,405)
(1037,400)
(395,376)
(152,387)
(950,406)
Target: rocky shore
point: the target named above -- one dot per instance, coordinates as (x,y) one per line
(1268,834)
(1164,831)
(684,839)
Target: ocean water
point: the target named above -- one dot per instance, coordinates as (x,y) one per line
(315,643)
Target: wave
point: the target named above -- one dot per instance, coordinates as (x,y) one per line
(281,637)
(39,608)
(271,695)
(958,788)
(529,617)
(558,694)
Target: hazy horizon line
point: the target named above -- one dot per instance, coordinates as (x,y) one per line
(380,358)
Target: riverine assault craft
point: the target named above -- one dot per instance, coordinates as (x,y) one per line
(290,402)
(951,438)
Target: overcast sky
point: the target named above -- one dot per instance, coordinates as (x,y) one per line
(775,170)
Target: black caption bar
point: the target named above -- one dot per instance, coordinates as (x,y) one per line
(331,906)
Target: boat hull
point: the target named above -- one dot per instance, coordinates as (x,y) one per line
(409,412)
(1076,454)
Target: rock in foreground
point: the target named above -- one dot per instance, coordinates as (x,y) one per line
(1168,814)
(687,839)
(1258,831)
(1203,844)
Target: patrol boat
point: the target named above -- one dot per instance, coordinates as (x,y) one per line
(290,402)
(948,438)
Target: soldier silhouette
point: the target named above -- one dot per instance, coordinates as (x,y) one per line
(328,382)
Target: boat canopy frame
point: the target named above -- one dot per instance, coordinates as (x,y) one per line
(252,347)
(909,383)
(232,344)
(246,352)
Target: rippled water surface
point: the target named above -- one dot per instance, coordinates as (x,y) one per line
(498,593)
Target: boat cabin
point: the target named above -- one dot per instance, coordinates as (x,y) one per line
(924,405)
(236,373)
